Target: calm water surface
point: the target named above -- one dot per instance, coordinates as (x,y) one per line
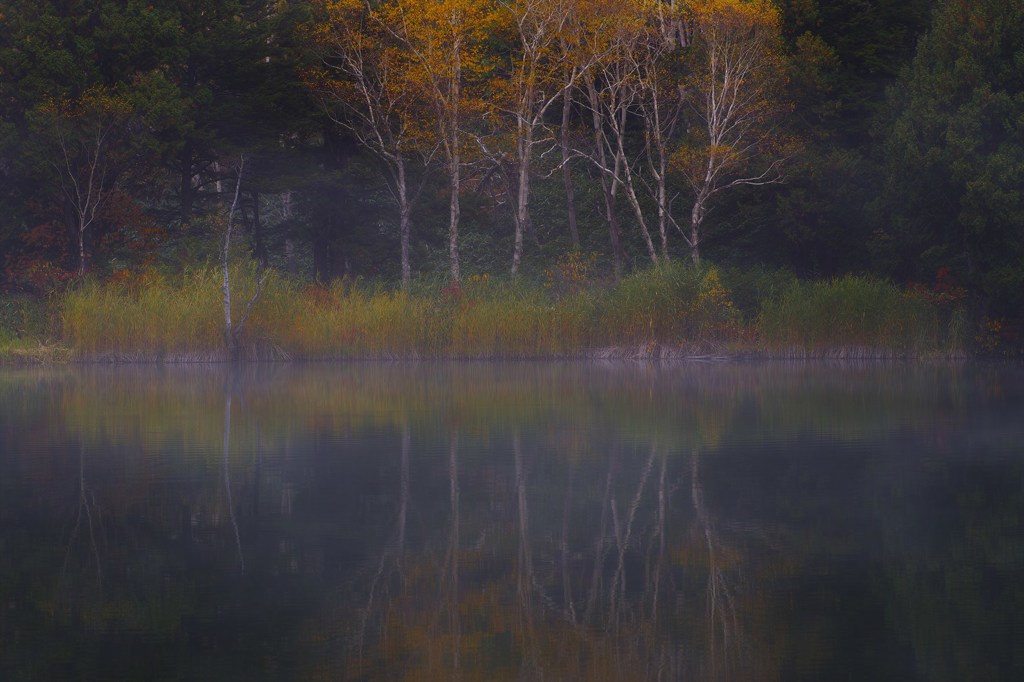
(513,521)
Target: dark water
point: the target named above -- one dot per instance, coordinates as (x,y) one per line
(514,521)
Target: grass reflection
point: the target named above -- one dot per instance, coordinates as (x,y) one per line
(679,406)
(510,521)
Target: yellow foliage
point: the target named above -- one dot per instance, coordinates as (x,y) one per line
(96,102)
(571,273)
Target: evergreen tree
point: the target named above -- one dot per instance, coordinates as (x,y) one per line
(844,55)
(55,56)
(954,192)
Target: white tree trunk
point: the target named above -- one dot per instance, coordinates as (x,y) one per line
(229,334)
(454,158)
(608,185)
(404,219)
(81,247)
(454,168)
(696,218)
(570,194)
(522,215)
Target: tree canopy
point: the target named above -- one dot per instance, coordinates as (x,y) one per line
(398,138)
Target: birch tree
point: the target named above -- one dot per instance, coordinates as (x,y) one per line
(595,42)
(444,39)
(90,134)
(619,95)
(620,99)
(734,93)
(660,104)
(364,84)
(232,332)
(542,69)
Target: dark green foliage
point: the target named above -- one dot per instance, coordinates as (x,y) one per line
(955,155)
(844,55)
(205,80)
(847,53)
(861,314)
(752,288)
(52,55)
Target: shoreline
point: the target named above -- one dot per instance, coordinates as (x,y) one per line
(649,352)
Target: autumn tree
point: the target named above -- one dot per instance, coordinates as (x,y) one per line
(632,88)
(365,83)
(733,91)
(655,55)
(565,146)
(445,43)
(596,44)
(541,68)
(633,95)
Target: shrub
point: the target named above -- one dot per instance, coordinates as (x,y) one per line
(671,303)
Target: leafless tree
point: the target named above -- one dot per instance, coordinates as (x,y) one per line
(232,332)
(90,133)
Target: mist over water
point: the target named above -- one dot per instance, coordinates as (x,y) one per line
(692,521)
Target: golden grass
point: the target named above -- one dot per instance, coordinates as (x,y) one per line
(149,317)
(661,312)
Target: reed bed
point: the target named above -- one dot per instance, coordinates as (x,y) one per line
(340,322)
(149,317)
(669,311)
(848,318)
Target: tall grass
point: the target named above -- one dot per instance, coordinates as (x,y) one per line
(849,316)
(673,306)
(147,317)
(342,321)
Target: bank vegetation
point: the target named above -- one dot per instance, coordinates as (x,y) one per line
(667,311)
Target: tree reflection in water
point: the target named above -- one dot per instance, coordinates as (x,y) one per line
(510,613)
(88,509)
(228,394)
(501,522)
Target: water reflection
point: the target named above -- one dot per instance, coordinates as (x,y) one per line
(534,521)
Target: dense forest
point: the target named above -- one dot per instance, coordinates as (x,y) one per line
(400,140)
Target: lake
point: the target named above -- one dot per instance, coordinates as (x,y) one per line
(479,521)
